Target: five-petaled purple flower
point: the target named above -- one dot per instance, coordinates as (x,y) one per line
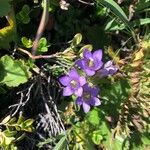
(73,82)
(77,85)
(88,98)
(90,62)
(108,69)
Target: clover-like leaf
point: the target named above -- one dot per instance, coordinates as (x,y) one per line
(23,15)
(42,46)
(26,42)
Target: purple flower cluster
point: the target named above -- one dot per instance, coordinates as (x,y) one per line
(74,83)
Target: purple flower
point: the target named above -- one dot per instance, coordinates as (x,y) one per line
(90,62)
(108,69)
(73,83)
(89,97)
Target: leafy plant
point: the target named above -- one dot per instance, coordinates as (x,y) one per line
(23,15)
(13,72)
(26,42)
(43,47)
(14,131)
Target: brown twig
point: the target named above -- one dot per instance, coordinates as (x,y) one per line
(40,56)
(43,22)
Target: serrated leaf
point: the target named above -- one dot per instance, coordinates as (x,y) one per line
(14,72)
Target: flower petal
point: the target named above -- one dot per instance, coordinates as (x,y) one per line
(86,107)
(108,64)
(113,70)
(103,72)
(89,72)
(94,91)
(97,64)
(87,54)
(73,73)
(82,81)
(95,101)
(65,80)
(67,91)
(79,101)
(79,62)
(98,54)
(79,91)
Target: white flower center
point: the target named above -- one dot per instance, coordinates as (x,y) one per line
(90,62)
(73,83)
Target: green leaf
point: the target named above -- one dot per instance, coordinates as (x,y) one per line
(76,40)
(43,47)
(140,22)
(10,133)
(26,42)
(114,95)
(142,5)
(13,72)
(9,140)
(93,117)
(112,25)
(20,120)
(115,8)
(61,144)
(96,137)
(46,141)
(23,15)
(28,122)
(117,11)
(4,7)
